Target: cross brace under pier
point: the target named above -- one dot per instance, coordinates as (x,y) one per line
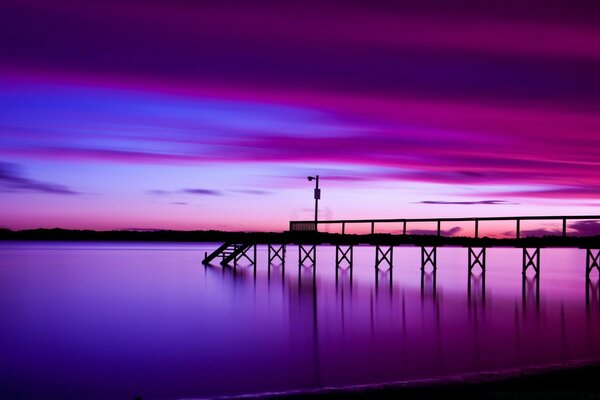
(344,254)
(428,256)
(276,252)
(307,253)
(477,258)
(592,260)
(384,255)
(531,258)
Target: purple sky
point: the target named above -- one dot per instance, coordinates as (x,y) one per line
(170,114)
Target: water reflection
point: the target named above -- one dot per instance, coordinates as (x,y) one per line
(428,284)
(134,317)
(384,276)
(592,292)
(303,318)
(531,289)
(343,277)
(276,268)
(476,289)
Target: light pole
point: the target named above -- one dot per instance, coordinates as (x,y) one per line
(317,196)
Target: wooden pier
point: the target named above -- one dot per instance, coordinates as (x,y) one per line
(306,235)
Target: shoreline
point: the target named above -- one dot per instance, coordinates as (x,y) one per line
(571,378)
(66,235)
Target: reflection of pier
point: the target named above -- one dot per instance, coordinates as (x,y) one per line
(428,284)
(476,287)
(531,289)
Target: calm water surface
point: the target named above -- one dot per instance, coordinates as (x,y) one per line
(119,320)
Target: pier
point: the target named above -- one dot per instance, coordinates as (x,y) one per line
(307,236)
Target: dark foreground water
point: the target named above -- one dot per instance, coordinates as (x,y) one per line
(119,320)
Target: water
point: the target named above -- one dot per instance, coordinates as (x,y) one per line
(119,320)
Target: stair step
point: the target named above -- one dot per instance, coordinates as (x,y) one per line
(227,252)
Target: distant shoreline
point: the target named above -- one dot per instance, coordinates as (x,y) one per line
(290,238)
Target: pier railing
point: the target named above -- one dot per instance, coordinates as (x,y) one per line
(312,226)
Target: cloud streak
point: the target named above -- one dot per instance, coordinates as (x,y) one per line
(481,202)
(424,151)
(207,192)
(463,54)
(201,192)
(13,180)
(447,232)
(190,191)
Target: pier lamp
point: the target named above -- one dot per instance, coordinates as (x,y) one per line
(317,196)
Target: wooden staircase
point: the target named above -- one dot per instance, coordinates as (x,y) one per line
(231,252)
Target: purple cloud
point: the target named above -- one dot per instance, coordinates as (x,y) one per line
(448,232)
(586,228)
(417,51)
(12,180)
(536,232)
(202,192)
(485,202)
(577,228)
(207,192)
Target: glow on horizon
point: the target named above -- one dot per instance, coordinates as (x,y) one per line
(462,121)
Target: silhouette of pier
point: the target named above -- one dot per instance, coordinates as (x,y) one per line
(312,226)
(306,235)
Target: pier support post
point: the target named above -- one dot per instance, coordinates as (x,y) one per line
(428,257)
(592,260)
(276,252)
(477,258)
(531,258)
(307,253)
(344,255)
(384,254)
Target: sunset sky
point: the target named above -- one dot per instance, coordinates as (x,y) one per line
(177,114)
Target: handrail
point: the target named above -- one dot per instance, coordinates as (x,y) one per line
(311,226)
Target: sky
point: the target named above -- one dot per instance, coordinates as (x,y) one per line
(210,115)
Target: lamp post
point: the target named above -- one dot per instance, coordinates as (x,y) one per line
(317,196)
